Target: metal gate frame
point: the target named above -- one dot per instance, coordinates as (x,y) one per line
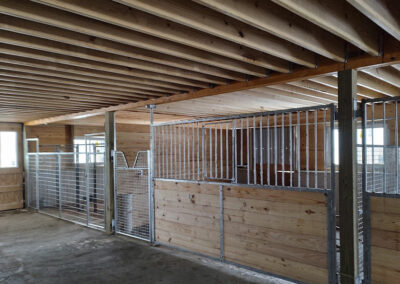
(365,253)
(136,170)
(34,175)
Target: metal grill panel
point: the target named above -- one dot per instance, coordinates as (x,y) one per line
(279,149)
(68,188)
(132,196)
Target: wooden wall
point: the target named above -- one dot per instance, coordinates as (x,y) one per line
(130,138)
(385,239)
(280,232)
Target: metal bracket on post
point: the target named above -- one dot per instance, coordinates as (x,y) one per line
(150,182)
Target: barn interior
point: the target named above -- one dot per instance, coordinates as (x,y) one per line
(218,141)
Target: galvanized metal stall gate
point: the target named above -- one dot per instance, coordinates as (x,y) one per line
(68,185)
(380,190)
(132,198)
(279,150)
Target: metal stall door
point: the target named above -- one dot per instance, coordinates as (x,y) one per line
(132,196)
(380,162)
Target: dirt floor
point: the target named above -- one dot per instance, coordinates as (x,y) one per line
(35,248)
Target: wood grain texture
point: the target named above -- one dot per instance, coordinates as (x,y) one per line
(280,232)
(385,239)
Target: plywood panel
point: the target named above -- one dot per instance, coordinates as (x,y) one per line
(187,216)
(385,239)
(270,230)
(280,232)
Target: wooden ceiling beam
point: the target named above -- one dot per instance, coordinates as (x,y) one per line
(139,66)
(208,21)
(122,16)
(22,93)
(77,90)
(18,89)
(323,97)
(67,92)
(26,64)
(361,91)
(338,18)
(22,26)
(89,64)
(90,95)
(384,13)
(267,17)
(391,56)
(6,70)
(39,13)
(387,74)
(376,84)
(287,94)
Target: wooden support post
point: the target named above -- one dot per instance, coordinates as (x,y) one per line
(110,144)
(349,268)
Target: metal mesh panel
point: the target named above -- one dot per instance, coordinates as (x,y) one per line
(132,197)
(141,160)
(68,187)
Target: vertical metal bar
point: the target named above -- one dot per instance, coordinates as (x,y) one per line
(171,140)
(373,145)
(384,148)
(221,154)
(211,152)
(365,200)
(290,150)
(298,126)
(227,150)
(283,148)
(235,154)
(87,182)
(180,155)
(163,151)
(332,207)
(193,155)
(276,149)
(203,156)
(198,152)
(247,151)
(325,141)
(315,149)
(307,152)
(268,151)
(254,152)
(37,181)
(167,142)
(94,179)
(150,158)
(216,150)
(261,152)
(77,178)
(396,133)
(175,154)
(188,152)
(59,185)
(241,141)
(159,150)
(221,223)
(184,150)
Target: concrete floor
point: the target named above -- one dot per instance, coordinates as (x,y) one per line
(35,248)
